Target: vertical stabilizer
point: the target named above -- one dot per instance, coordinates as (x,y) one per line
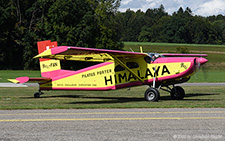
(48,67)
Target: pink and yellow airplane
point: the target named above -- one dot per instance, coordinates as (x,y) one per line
(116,69)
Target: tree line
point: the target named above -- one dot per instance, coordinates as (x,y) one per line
(95,24)
(156,25)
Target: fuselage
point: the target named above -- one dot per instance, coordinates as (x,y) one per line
(111,75)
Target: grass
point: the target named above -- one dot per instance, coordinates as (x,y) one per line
(171,44)
(22,98)
(203,97)
(204,75)
(12,74)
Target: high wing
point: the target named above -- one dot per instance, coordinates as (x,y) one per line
(91,54)
(86,54)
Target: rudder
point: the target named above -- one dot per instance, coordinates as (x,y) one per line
(48,66)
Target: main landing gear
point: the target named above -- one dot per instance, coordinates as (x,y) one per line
(176,93)
(152,94)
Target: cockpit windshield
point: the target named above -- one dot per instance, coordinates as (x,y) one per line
(156,55)
(152,57)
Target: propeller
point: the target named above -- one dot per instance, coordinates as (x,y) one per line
(205,72)
(199,62)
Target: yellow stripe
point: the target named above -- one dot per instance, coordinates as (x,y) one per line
(104,119)
(119,113)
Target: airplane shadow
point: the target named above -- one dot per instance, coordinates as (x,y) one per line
(108,100)
(45,96)
(130,99)
(188,96)
(104,100)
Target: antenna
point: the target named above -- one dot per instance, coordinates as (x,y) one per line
(131,49)
(141,50)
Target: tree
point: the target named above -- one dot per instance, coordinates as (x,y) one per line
(12,31)
(105,11)
(84,23)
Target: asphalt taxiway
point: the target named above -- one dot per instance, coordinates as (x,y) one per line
(113,124)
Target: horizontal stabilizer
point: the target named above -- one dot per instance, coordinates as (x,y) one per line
(27,79)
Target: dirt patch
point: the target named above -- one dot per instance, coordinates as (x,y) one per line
(215,66)
(213,52)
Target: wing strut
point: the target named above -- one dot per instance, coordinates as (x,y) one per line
(123,65)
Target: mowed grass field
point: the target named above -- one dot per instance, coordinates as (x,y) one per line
(22,98)
(208,97)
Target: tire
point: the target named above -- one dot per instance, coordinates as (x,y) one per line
(37,95)
(152,94)
(177,93)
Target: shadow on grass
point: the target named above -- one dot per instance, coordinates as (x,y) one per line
(198,94)
(130,99)
(114,100)
(56,96)
(110,100)
(189,96)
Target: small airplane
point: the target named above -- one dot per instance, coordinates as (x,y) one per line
(115,69)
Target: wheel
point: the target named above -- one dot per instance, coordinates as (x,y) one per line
(152,94)
(37,95)
(177,93)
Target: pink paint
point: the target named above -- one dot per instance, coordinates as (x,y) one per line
(202,60)
(80,88)
(22,79)
(59,74)
(174,59)
(55,73)
(26,79)
(59,49)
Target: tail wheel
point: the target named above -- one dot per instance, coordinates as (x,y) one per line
(177,93)
(38,94)
(152,94)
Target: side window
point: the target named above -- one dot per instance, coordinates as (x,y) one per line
(147,59)
(119,68)
(132,65)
